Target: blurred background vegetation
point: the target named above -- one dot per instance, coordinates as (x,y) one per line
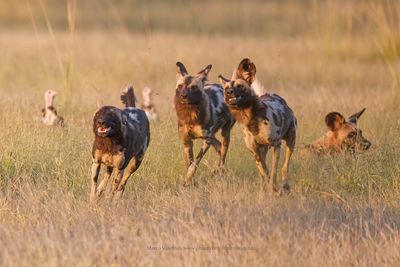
(254,17)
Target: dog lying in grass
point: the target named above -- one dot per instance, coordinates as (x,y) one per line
(121,140)
(201,113)
(49,112)
(343,135)
(266,121)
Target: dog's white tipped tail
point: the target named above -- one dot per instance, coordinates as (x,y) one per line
(128,97)
(258,87)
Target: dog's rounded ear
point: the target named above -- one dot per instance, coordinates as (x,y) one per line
(180,70)
(204,72)
(334,121)
(223,81)
(245,71)
(354,118)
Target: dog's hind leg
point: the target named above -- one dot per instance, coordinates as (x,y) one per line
(226,137)
(95,170)
(104,182)
(275,159)
(192,168)
(290,144)
(131,168)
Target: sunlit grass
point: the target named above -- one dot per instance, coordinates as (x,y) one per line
(343,210)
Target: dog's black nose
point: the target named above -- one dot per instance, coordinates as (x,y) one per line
(367,145)
(229,91)
(101,121)
(184,95)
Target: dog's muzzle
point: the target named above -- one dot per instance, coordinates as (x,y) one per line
(102,128)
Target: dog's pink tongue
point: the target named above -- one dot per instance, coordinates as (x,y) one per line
(102,129)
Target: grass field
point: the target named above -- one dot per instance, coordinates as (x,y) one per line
(344,210)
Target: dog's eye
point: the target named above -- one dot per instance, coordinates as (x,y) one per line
(352,135)
(194,87)
(180,86)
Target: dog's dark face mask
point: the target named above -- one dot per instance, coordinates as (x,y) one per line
(106,122)
(189,93)
(238,93)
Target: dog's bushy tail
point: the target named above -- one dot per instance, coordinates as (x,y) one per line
(128,97)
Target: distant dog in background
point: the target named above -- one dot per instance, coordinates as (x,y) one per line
(343,135)
(201,113)
(121,140)
(148,105)
(49,112)
(266,121)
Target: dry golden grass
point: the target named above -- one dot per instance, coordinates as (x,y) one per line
(344,210)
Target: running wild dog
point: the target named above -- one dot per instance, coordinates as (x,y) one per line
(266,121)
(121,140)
(201,112)
(147,104)
(343,135)
(49,112)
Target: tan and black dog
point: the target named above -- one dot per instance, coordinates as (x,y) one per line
(266,121)
(201,112)
(49,112)
(343,135)
(121,140)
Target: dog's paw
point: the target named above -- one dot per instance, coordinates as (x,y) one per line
(285,190)
(189,183)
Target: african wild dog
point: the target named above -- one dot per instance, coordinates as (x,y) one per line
(201,112)
(266,120)
(148,105)
(49,112)
(343,135)
(121,140)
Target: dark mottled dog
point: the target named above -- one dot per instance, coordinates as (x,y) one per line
(201,112)
(266,120)
(121,139)
(343,135)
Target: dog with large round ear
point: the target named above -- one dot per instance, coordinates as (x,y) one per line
(343,135)
(201,112)
(267,120)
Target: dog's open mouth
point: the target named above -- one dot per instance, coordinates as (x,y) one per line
(232,101)
(103,130)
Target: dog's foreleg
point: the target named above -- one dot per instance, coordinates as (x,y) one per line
(260,154)
(285,169)
(192,168)
(188,151)
(104,182)
(95,170)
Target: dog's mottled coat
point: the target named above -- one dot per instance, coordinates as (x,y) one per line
(121,140)
(201,112)
(266,121)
